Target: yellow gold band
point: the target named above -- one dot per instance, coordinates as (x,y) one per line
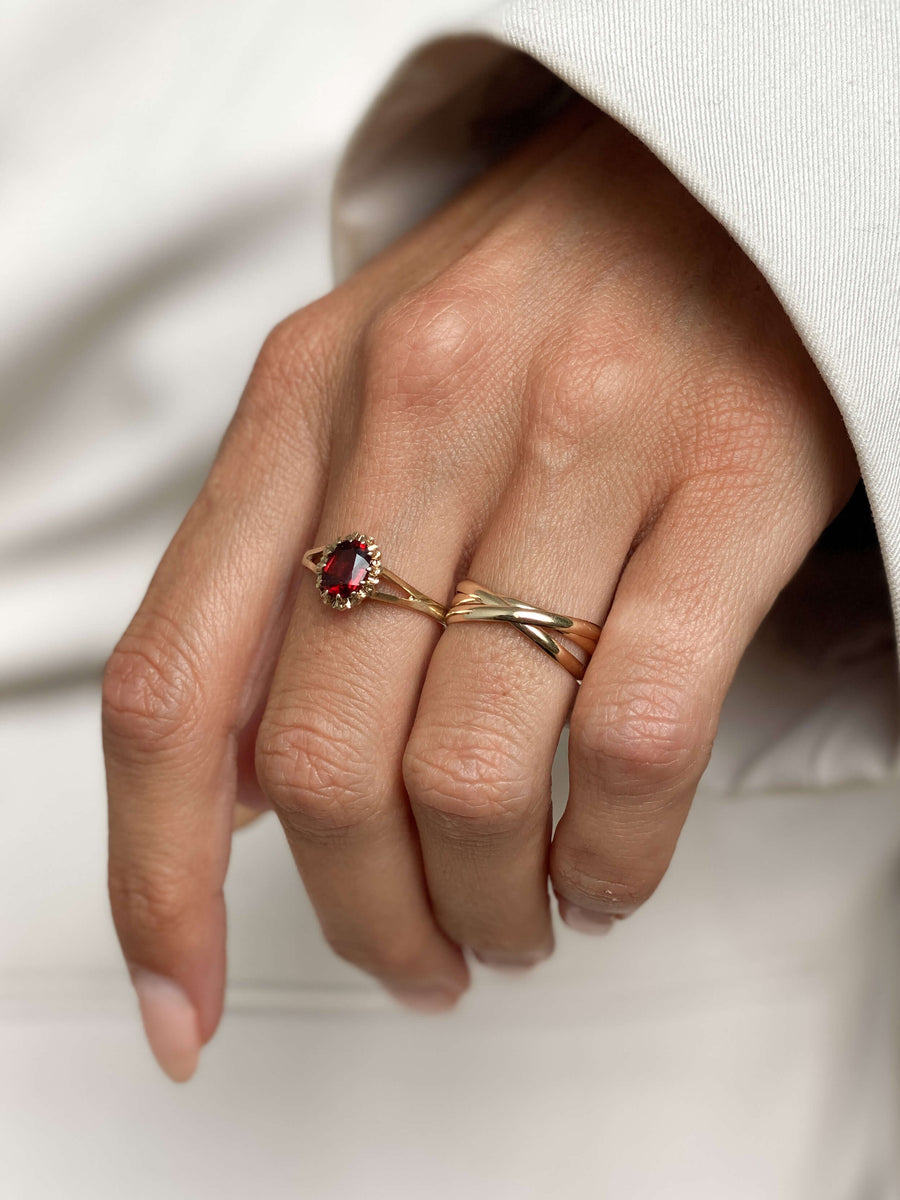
(474,602)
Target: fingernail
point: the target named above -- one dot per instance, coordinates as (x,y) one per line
(424,999)
(508,966)
(583,919)
(504,967)
(244,815)
(170,1023)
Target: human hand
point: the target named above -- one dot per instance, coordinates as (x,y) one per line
(571,385)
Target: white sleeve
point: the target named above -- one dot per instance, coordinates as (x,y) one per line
(782,119)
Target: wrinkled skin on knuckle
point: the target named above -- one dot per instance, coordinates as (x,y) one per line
(298,352)
(422,351)
(644,738)
(559,422)
(153,694)
(582,395)
(750,446)
(742,429)
(719,391)
(468,782)
(314,773)
(747,405)
(150,903)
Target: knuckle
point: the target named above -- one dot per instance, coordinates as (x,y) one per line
(295,349)
(149,905)
(152,691)
(292,365)
(387,955)
(469,779)
(644,736)
(577,391)
(744,426)
(316,778)
(417,349)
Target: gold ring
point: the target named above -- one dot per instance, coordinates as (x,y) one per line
(349,570)
(473,602)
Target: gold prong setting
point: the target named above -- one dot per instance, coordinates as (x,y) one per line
(345,552)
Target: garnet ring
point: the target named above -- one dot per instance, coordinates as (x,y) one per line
(473,602)
(349,571)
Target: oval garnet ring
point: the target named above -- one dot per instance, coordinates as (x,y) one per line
(349,571)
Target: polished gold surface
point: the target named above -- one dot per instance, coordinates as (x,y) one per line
(474,602)
(410,597)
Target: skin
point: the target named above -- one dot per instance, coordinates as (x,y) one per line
(569,384)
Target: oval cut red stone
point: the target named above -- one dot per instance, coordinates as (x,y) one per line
(346,569)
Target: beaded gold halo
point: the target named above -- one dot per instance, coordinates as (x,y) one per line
(348,570)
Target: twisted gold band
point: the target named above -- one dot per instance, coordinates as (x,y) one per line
(348,571)
(473,602)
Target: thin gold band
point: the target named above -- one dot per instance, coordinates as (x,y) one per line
(473,602)
(411,597)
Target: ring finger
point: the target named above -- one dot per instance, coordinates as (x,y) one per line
(478,762)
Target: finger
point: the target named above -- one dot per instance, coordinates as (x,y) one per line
(341,705)
(478,762)
(643,724)
(182,682)
(347,684)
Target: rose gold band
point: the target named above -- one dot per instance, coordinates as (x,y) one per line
(474,602)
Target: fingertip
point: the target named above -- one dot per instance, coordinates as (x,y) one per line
(425,999)
(170,1023)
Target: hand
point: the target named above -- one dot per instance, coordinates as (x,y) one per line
(571,385)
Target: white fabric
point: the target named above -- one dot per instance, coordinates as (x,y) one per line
(165,202)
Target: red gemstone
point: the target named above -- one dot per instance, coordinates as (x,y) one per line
(346,569)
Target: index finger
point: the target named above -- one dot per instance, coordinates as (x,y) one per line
(184,679)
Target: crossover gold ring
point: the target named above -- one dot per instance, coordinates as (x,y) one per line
(349,571)
(474,602)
